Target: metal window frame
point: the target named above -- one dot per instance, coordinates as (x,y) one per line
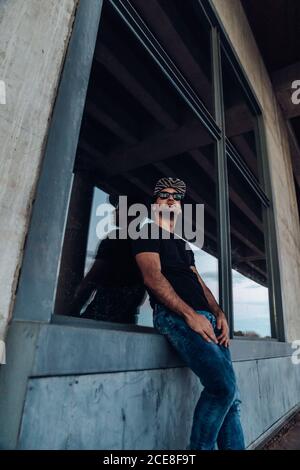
(215,127)
(262,190)
(245,172)
(224,261)
(135,22)
(271,245)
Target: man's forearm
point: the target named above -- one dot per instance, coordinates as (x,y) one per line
(212,303)
(165,293)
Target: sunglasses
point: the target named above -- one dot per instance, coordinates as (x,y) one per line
(166,195)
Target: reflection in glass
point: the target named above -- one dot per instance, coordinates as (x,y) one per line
(251,307)
(248,255)
(136,127)
(239,119)
(111,288)
(181,28)
(94,238)
(207,266)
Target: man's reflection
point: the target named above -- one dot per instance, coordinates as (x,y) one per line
(114,281)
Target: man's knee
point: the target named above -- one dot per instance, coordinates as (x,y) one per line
(228,392)
(225,390)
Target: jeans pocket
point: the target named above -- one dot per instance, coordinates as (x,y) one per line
(166,323)
(210,317)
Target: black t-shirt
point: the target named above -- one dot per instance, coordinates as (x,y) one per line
(176,257)
(121,268)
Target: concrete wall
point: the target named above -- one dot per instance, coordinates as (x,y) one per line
(31,59)
(148,409)
(285,204)
(77,385)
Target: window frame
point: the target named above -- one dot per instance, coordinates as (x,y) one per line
(74,81)
(262,190)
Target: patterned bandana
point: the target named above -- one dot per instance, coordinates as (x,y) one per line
(174,183)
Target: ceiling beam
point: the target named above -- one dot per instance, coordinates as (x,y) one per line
(110,122)
(160,146)
(134,87)
(162,26)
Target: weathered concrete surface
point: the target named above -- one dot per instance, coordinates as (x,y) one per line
(285,204)
(133,410)
(33,39)
(279,388)
(47,356)
(21,347)
(148,409)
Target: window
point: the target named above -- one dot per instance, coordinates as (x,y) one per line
(150,112)
(251,311)
(136,128)
(247,204)
(185,34)
(240,120)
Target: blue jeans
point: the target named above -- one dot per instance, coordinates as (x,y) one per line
(216,417)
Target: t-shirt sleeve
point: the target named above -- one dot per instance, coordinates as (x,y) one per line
(145,243)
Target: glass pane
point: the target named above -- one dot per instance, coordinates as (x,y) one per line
(239,120)
(136,128)
(207,264)
(249,267)
(183,31)
(94,236)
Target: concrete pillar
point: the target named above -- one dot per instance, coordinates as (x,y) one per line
(34,36)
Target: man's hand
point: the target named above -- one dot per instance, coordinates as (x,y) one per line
(215,308)
(222,325)
(202,325)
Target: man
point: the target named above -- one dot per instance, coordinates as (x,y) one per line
(186,312)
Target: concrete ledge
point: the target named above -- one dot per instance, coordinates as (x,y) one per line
(85,346)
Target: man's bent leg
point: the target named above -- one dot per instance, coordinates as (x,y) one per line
(214,370)
(231,435)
